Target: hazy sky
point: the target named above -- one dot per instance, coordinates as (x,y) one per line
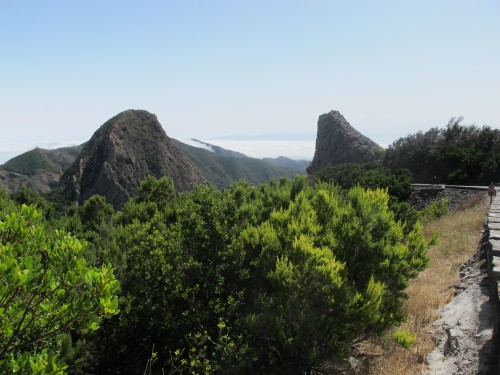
(215,68)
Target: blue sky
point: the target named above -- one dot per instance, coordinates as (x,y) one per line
(215,68)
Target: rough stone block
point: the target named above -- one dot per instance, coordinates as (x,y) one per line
(495,268)
(495,225)
(495,244)
(494,234)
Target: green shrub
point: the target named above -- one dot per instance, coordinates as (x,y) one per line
(47,289)
(405,338)
(436,209)
(270,279)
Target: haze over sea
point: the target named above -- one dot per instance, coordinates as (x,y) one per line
(297,150)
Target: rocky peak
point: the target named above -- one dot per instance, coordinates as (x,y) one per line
(122,152)
(338,142)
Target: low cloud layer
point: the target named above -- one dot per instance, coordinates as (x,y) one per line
(298,150)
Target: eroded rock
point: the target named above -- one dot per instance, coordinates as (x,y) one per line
(338,142)
(125,150)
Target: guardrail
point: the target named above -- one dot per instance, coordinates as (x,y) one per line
(445,186)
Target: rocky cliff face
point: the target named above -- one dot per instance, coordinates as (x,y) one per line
(121,153)
(338,142)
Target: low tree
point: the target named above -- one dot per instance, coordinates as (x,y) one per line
(371,175)
(456,154)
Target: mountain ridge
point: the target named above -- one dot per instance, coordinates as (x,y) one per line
(221,167)
(223,170)
(118,155)
(39,168)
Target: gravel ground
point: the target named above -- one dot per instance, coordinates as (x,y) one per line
(464,333)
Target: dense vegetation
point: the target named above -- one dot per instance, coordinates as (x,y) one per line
(30,163)
(375,176)
(369,175)
(456,154)
(278,278)
(36,160)
(49,293)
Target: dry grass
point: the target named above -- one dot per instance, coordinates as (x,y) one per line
(459,238)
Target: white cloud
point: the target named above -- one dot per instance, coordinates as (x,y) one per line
(195,143)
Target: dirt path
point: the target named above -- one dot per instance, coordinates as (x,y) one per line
(463,332)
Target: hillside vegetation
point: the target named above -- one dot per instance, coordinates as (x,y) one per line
(39,169)
(221,170)
(278,278)
(456,154)
(56,161)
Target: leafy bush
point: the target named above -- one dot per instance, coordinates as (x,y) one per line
(47,289)
(405,338)
(436,209)
(30,196)
(270,279)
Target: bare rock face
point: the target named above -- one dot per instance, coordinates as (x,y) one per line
(338,142)
(40,181)
(125,150)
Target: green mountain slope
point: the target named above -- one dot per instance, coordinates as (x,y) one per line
(42,160)
(39,168)
(283,162)
(222,171)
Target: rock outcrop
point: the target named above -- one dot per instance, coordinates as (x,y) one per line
(338,142)
(126,149)
(43,182)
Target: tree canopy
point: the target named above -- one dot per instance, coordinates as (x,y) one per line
(456,154)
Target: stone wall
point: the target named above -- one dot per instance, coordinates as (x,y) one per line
(493,254)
